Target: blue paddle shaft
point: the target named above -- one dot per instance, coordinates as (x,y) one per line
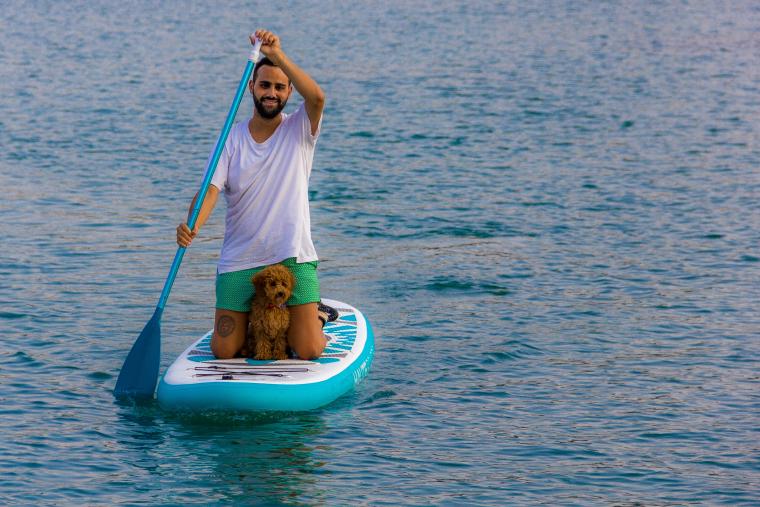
(207,180)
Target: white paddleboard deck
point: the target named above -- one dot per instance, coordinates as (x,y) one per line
(196,380)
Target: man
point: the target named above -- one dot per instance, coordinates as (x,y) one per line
(263,173)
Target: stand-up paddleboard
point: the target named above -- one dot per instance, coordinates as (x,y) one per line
(196,380)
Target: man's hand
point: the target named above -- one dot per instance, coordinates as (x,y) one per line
(270,44)
(185,235)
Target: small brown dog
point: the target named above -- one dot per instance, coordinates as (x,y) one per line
(268,336)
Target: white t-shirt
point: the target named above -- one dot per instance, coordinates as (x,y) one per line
(266,186)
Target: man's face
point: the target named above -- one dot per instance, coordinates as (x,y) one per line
(271,91)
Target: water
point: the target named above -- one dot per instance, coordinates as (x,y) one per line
(548,210)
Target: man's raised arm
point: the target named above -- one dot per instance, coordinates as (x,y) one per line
(314,97)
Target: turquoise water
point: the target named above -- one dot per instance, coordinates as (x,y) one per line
(548,210)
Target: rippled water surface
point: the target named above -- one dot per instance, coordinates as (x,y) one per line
(548,210)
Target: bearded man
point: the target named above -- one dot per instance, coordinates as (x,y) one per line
(263,173)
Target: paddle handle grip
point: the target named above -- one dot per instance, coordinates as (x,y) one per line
(209,174)
(254,56)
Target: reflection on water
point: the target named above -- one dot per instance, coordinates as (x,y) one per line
(264,459)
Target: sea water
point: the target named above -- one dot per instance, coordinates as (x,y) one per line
(549,211)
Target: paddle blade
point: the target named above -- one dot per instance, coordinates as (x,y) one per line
(140,370)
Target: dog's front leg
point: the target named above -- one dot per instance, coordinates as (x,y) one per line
(264,348)
(281,347)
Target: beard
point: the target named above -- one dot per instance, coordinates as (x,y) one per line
(269,112)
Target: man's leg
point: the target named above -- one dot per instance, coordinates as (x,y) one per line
(305,334)
(230,329)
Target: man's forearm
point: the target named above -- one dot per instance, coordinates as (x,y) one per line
(303,83)
(206,207)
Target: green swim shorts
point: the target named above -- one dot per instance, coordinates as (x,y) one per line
(234,290)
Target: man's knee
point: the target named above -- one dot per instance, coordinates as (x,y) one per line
(229,333)
(311,348)
(223,349)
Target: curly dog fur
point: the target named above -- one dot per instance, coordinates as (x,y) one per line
(268,337)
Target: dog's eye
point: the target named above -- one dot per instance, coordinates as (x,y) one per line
(273,284)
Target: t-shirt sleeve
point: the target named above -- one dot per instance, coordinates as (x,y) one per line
(302,117)
(219,180)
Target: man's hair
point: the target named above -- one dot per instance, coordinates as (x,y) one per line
(261,63)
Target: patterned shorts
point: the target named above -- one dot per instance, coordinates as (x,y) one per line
(234,290)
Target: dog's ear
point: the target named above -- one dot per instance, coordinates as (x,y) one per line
(259,278)
(285,275)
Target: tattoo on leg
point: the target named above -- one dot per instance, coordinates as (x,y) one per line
(225,326)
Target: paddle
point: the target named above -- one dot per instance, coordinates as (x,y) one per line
(139,373)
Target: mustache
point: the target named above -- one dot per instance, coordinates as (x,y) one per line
(270,110)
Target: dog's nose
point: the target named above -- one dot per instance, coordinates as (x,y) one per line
(281,294)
